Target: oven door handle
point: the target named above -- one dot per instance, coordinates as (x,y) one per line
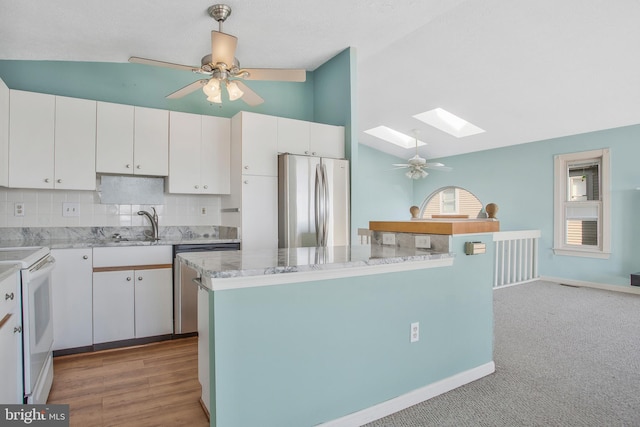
(43,267)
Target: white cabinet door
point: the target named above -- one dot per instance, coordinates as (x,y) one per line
(153,302)
(72,298)
(31,136)
(10,342)
(113,306)
(4,134)
(185,134)
(151,142)
(215,160)
(326,140)
(259,212)
(259,144)
(75,144)
(293,136)
(114,138)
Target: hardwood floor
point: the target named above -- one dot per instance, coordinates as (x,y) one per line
(151,385)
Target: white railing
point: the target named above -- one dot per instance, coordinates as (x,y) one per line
(516,257)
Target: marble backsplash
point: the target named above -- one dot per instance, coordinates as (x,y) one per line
(42,235)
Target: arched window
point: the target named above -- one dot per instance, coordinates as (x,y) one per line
(451,202)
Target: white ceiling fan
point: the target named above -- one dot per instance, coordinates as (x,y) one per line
(417,165)
(222,68)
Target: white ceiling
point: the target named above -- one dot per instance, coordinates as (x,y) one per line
(523,70)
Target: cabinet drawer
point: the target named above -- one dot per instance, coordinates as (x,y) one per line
(132,256)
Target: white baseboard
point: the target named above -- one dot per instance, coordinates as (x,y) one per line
(412,398)
(604,286)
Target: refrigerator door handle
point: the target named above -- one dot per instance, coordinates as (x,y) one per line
(318,197)
(325,219)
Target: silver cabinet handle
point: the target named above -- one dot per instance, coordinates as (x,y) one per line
(196,186)
(140,278)
(85,256)
(8,296)
(128,279)
(206,186)
(59,181)
(246,166)
(306,152)
(128,166)
(246,181)
(313,153)
(46,180)
(17,329)
(138,167)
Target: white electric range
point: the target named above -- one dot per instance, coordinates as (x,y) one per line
(36,265)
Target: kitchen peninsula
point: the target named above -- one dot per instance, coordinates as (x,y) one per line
(326,336)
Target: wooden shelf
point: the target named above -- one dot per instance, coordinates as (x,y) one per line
(436,226)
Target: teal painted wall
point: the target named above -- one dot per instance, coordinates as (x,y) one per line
(385,193)
(306,353)
(147,86)
(335,102)
(520,180)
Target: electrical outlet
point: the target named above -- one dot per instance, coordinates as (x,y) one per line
(423,242)
(203,210)
(71,209)
(18,209)
(388,239)
(415,332)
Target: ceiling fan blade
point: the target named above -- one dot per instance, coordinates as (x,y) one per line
(223,48)
(434,164)
(145,61)
(403,165)
(250,97)
(275,74)
(442,168)
(188,89)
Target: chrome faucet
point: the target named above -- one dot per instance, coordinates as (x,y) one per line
(153,218)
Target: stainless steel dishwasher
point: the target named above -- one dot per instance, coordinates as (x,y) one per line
(185,292)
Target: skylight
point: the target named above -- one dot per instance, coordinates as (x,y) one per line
(394,137)
(448,122)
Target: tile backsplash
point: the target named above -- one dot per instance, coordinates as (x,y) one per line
(43,208)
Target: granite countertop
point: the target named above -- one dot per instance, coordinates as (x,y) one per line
(89,237)
(232,264)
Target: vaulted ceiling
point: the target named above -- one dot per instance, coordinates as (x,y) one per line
(522,70)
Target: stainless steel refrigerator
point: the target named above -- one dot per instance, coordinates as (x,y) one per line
(313,201)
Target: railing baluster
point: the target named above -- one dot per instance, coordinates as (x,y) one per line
(516,257)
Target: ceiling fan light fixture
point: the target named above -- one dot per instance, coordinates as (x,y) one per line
(416,174)
(234,91)
(212,88)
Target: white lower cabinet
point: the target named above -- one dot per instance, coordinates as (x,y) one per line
(132,292)
(10,341)
(72,298)
(132,304)
(113,306)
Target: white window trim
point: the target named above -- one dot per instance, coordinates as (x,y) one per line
(561,162)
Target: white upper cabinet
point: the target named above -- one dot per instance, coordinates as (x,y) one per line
(310,139)
(52,142)
(75,144)
(4,134)
(114,138)
(293,136)
(326,140)
(151,141)
(259,136)
(31,136)
(132,140)
(199,150)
